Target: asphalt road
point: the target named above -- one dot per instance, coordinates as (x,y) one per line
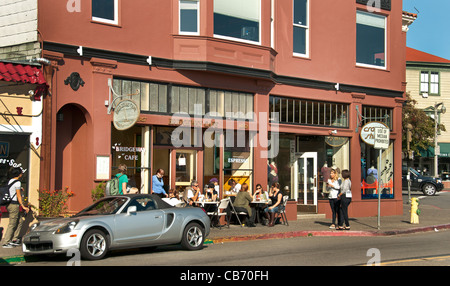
(430,248)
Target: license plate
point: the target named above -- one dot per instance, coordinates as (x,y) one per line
(34,239)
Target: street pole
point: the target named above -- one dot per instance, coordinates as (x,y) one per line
(379,189)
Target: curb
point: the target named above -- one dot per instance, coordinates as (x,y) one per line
(306,233)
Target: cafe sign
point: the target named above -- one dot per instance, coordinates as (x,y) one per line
(368,132)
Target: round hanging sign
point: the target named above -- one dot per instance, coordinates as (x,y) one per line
(126,114)
(368,132)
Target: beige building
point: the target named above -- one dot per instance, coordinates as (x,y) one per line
(21,106)
(428,82)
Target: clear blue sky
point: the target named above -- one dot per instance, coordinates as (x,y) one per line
(430,33)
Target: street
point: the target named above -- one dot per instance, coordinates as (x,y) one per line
(406,250)
(424,249)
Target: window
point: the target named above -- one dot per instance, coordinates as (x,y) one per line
(373,113)
(189,17)
(308,112)
(429,82)
(237,19)
(105,11)
(301,27)
(170,99)
(370,39)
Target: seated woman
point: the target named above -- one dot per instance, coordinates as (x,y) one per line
(276,197)
(242,204)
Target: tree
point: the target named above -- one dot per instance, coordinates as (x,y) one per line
(422,131)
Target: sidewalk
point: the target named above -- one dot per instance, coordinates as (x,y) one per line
(431,219)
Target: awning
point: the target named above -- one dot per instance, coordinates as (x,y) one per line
(444,151)
(13,74)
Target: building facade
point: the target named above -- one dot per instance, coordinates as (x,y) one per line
(22,85)
(428,82)
(257,91)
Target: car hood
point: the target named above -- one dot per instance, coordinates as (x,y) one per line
(54,224)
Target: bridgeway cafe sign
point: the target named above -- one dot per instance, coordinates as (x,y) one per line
(376,134)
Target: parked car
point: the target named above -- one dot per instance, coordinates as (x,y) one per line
(126,221)
(428,185)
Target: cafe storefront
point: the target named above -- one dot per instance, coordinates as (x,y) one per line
(196,143)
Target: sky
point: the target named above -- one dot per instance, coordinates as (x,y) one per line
(430,33)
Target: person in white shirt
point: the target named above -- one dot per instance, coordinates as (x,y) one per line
(334,186)
(346,198)
(12,238)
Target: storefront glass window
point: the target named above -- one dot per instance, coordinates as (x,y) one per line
(238,159)
(328,151)
(127,148)
(14,153)
(373,175)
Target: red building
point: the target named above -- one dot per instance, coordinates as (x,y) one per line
(307,74)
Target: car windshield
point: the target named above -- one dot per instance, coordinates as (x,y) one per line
(104,207)
(414,172)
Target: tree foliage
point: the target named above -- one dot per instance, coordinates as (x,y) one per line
(422,127)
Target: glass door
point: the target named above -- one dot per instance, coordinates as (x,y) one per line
(306,179)
(185,167)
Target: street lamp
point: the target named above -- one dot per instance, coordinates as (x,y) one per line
(442,110)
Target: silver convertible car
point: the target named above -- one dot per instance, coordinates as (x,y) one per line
(127,221)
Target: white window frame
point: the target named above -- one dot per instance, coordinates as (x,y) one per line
(429,82)
(385,43)
(108,21)
(243,40)
(198,18)
(306,27)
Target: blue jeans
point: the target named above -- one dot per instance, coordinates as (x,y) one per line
(274,210)
(334,204)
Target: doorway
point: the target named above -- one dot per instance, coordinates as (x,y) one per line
(305,181)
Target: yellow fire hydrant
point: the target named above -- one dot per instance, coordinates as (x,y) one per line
(415,212)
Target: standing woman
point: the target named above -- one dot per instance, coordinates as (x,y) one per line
(16,220)
(346,198)
(334,188)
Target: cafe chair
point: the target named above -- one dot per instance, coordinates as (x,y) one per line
(282,211)
(236,213)
(221,211)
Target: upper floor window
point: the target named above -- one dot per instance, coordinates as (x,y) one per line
(189,17)
(238,19)
(106,11)
(308,112)
(429,83)
(370,40)
(301,27)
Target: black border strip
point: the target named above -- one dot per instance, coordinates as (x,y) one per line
(71,50)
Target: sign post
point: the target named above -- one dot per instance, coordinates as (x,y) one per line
(381,142)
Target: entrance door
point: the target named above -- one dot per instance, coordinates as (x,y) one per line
(306,180)
(185,167)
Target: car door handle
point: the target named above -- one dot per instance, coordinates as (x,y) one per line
(158,216)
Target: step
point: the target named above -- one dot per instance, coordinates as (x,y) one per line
(310,216)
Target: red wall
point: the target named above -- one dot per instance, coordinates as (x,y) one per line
(150,28)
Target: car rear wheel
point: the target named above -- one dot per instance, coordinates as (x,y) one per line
(193,236)
(429,189)
(94,245)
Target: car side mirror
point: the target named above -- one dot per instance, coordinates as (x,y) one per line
(131,210)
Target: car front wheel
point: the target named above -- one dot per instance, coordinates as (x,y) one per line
(193,236)
(94,245)
(429,189)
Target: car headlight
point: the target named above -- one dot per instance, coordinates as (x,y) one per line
(66,228)
(439,181)
(34,226)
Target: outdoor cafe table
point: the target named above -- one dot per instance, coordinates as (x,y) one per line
(259,205)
